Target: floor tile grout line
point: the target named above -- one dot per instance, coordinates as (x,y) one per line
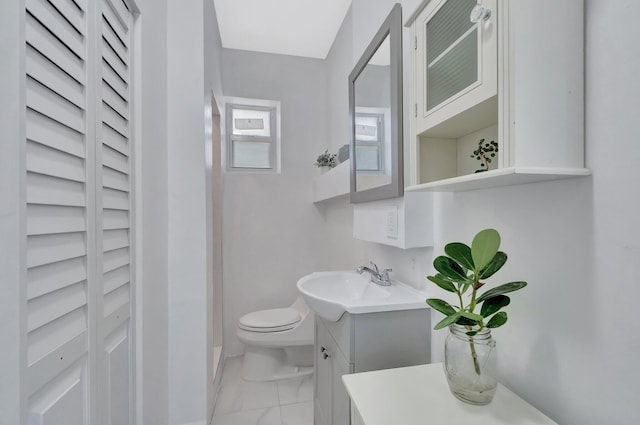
(233,377)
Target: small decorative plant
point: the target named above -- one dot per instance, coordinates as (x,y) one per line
(464,270)
(326,159)
(484,153)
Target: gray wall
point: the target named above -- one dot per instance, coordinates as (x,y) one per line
(339,65)
(180,67)
(153,217)
(273,233)
(193,71)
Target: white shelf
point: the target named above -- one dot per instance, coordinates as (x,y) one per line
(501,177)
(419,395)
(333,183)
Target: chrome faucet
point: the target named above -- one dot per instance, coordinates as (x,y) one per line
(380,278)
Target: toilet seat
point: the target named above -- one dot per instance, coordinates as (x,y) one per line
(273,320)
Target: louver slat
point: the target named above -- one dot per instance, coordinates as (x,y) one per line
(119,27)
(121,11)
(40,39)
(39,68)
(57,25)
(48,103)
(52,162)
(48,278)
(71,12)
(48,132)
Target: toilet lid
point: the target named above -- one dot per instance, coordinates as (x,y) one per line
(277,319)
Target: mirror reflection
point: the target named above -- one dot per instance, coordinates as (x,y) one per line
(373,121)
(375,109)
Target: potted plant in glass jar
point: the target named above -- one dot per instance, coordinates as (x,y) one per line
(470,358)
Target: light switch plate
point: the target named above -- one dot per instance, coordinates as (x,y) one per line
(392,222)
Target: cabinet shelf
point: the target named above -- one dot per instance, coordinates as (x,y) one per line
(500,177)
(332,184)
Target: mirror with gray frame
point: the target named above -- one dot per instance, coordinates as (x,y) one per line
(375,115)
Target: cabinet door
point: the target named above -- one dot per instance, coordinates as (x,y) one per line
(341,411)
(455,61)
(322,379)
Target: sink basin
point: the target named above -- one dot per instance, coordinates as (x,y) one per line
(330,294)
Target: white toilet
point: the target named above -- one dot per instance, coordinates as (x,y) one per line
(278,342)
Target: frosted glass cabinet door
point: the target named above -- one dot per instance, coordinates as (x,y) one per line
(456,60)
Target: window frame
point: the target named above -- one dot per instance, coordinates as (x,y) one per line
(378,143)
(274,139)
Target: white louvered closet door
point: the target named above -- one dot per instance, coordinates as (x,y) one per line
(78,193)
(113,203)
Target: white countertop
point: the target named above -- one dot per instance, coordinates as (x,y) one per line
(419,395)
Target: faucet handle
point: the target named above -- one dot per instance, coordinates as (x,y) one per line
(385,274)
(374,266)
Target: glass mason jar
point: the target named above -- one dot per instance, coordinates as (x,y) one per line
(470,364)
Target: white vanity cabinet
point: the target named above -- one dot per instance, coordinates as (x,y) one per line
(360,343)
(515,78)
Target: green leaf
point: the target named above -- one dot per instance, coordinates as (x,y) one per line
(472,316)
(494,265)
(444,284)
(466,322)
(502,289)
(484,247)
(461,253)
(498,320)
(441,305)
(449,269)
(493,305)
(447,321)
(472,333)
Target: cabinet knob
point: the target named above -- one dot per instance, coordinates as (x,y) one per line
(480,13)
(323,349)
(325,355)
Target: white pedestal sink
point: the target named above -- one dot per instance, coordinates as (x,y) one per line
(330,294)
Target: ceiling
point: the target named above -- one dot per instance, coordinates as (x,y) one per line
(289,27)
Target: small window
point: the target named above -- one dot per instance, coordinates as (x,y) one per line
(252,135)
(369,130)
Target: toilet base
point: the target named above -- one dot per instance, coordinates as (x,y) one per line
(270,363)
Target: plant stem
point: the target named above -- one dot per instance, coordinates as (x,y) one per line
(472,306)
(460,298)
(470,309)
(474,355)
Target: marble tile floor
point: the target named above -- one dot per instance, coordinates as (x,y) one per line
(284,402)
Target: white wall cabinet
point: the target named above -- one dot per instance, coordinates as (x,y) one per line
(360,343)
(399,222)
(515,78)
